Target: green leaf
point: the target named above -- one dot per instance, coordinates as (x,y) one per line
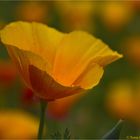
(58,135)
(114,133)
(67,134)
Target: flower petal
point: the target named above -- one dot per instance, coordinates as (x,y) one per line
(34,37)
(76,52)
(17,124)
(46,87)
(23,59)
(101,54)
(64,57)
(90,77)
(33,70)
(69,55)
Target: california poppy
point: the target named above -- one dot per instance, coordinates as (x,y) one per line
(17,124)
(32,11)
(54,64)
(76,15)
(123,100)
(116,15)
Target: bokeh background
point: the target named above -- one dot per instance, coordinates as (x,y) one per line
(88,115)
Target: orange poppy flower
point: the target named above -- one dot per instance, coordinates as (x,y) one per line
(124,100)
(54,64)
(119,100)
(116,14)
(17,124)
(131,48)
(32,11)
(76,15)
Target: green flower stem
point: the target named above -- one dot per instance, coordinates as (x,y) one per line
(43,105)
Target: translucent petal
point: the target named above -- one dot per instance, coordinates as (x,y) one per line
(46,87)
(90,77)
(22,60)
(34,37)
(77,50)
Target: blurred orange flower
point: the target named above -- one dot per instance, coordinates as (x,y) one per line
(60,108)
(76,14)
(135,4)
(119,99)
(116,14)
(32,11)
(8,72)
(16,124)
(123,100)
(27,96)
(131,48)
(55,64)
